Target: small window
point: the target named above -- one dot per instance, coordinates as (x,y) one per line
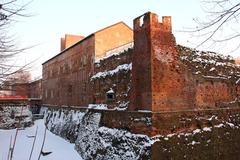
(51,93)
(110,95)
(46,94)
(70,88)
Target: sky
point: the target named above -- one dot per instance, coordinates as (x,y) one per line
(51,20)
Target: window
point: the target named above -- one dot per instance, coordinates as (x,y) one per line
(46,94)
(110,95)
(84,60)
(51,93)
(69,88)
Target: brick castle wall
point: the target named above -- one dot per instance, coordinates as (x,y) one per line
(162,82)
(66,77)
(110,75)
(156,75)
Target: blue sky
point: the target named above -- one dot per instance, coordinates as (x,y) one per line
(52,19)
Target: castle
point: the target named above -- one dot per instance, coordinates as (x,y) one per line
(138,74)
(66,77)
(121,89)
(139,69)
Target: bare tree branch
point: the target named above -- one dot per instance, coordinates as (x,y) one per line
(10,11)
(221,24)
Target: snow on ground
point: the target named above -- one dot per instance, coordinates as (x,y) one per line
(9,117)
(60,148)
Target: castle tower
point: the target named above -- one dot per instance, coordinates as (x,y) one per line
(157,83)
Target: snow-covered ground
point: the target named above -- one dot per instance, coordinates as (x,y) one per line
(60,148)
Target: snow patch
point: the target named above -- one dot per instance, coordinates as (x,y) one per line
(110,91)
(98,106)
(219,125)
(207,129)
(123,67)
(196,131)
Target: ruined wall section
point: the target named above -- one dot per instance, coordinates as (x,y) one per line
(112,78)
(216,77)
(172,85)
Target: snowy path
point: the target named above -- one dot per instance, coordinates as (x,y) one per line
(60,148)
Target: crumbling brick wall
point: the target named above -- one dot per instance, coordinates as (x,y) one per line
(113,74)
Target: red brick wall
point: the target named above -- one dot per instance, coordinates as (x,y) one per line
(35,89)
(141,71)
(159,81)
(112,37)
(120,83)
(69,40)
(209,94)
(66,77)
(20,89)
(237,60)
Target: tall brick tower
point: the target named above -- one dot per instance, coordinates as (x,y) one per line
(157,80)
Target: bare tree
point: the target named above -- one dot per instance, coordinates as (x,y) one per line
(21,76)
(10,11)
(221,24)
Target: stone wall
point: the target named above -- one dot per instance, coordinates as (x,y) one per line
(12,117)
(92,140)
(107,134)
(219,142)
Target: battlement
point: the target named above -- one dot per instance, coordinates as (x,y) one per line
(150,20)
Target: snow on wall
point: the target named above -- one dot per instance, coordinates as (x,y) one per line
(93,141)
(64,123)
(96,142)
(123,67)
(214,142)
(9,117)
(210,64)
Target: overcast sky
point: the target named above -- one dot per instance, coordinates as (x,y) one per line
(53,18)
